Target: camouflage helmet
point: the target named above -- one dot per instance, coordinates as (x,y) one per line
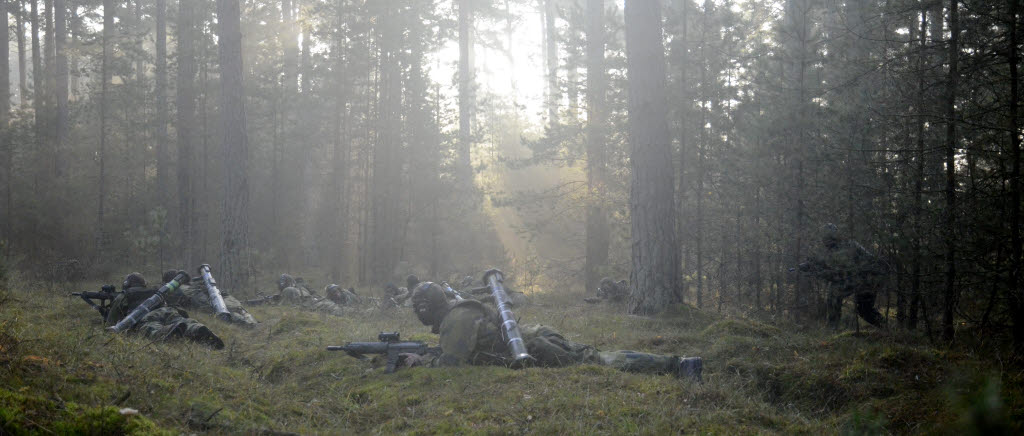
(285,281)
(133,280)
(830,235)
(169,275)
(391,289)
(411,281)
(332,290)
(430,303)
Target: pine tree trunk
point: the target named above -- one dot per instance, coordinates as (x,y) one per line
(1017,294)
(185,103)
(235,242)
(551,60)
(61,86)
(949,300)
(918,212)
(108,40)
(163,170)
(655,276)
(386,215)
(467,96)
(5,68)
(37,93)
(596,217)
(342,153)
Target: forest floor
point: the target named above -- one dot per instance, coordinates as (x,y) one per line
(61,373)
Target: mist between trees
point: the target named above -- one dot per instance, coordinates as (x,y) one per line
(693,147)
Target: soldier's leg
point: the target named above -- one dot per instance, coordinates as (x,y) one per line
(632,361)
(835,310)
(162,323)
(549,347)
(866,308)
(196,331)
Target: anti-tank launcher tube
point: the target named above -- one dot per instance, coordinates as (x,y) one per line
(216,300)
(509,326)
(151,303)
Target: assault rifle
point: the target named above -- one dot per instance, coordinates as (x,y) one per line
(390,345)
(106,296)
(266,299)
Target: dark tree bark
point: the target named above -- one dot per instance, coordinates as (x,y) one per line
(235,143)
(61,121)
(386,213)
(918,208)
(342,152)
(5,68)
(682,48)
(797,29)
(655,276)
(37,92)
(1017,294)
(186,109)
(19,21)
(598,237)
(108,40)
(5,107)
(160,95)
(949,300)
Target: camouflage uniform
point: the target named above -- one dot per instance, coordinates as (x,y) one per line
(398,296)
(851,270)
(303,298)
(470,333)
(341,296)
(612,291)
(195,296)
(165,322)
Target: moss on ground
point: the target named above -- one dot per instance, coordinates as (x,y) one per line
(60,372)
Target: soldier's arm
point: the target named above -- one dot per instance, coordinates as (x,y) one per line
(458,335)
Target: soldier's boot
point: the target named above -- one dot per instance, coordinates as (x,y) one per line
(866,309)
(690,368)
(203,335)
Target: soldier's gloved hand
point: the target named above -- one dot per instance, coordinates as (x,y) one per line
(410,360)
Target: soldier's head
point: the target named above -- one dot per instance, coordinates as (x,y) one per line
(332,291)
(133,280)
(391,289)
(169,275)
(285,281)
(411,281)
(430,304)
(830,236)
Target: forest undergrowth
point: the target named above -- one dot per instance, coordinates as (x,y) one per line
(60,373)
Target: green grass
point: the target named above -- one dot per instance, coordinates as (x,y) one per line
(61,373)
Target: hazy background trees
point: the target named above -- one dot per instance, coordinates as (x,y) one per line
(364,140)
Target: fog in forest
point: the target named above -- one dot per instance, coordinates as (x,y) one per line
(710,157)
